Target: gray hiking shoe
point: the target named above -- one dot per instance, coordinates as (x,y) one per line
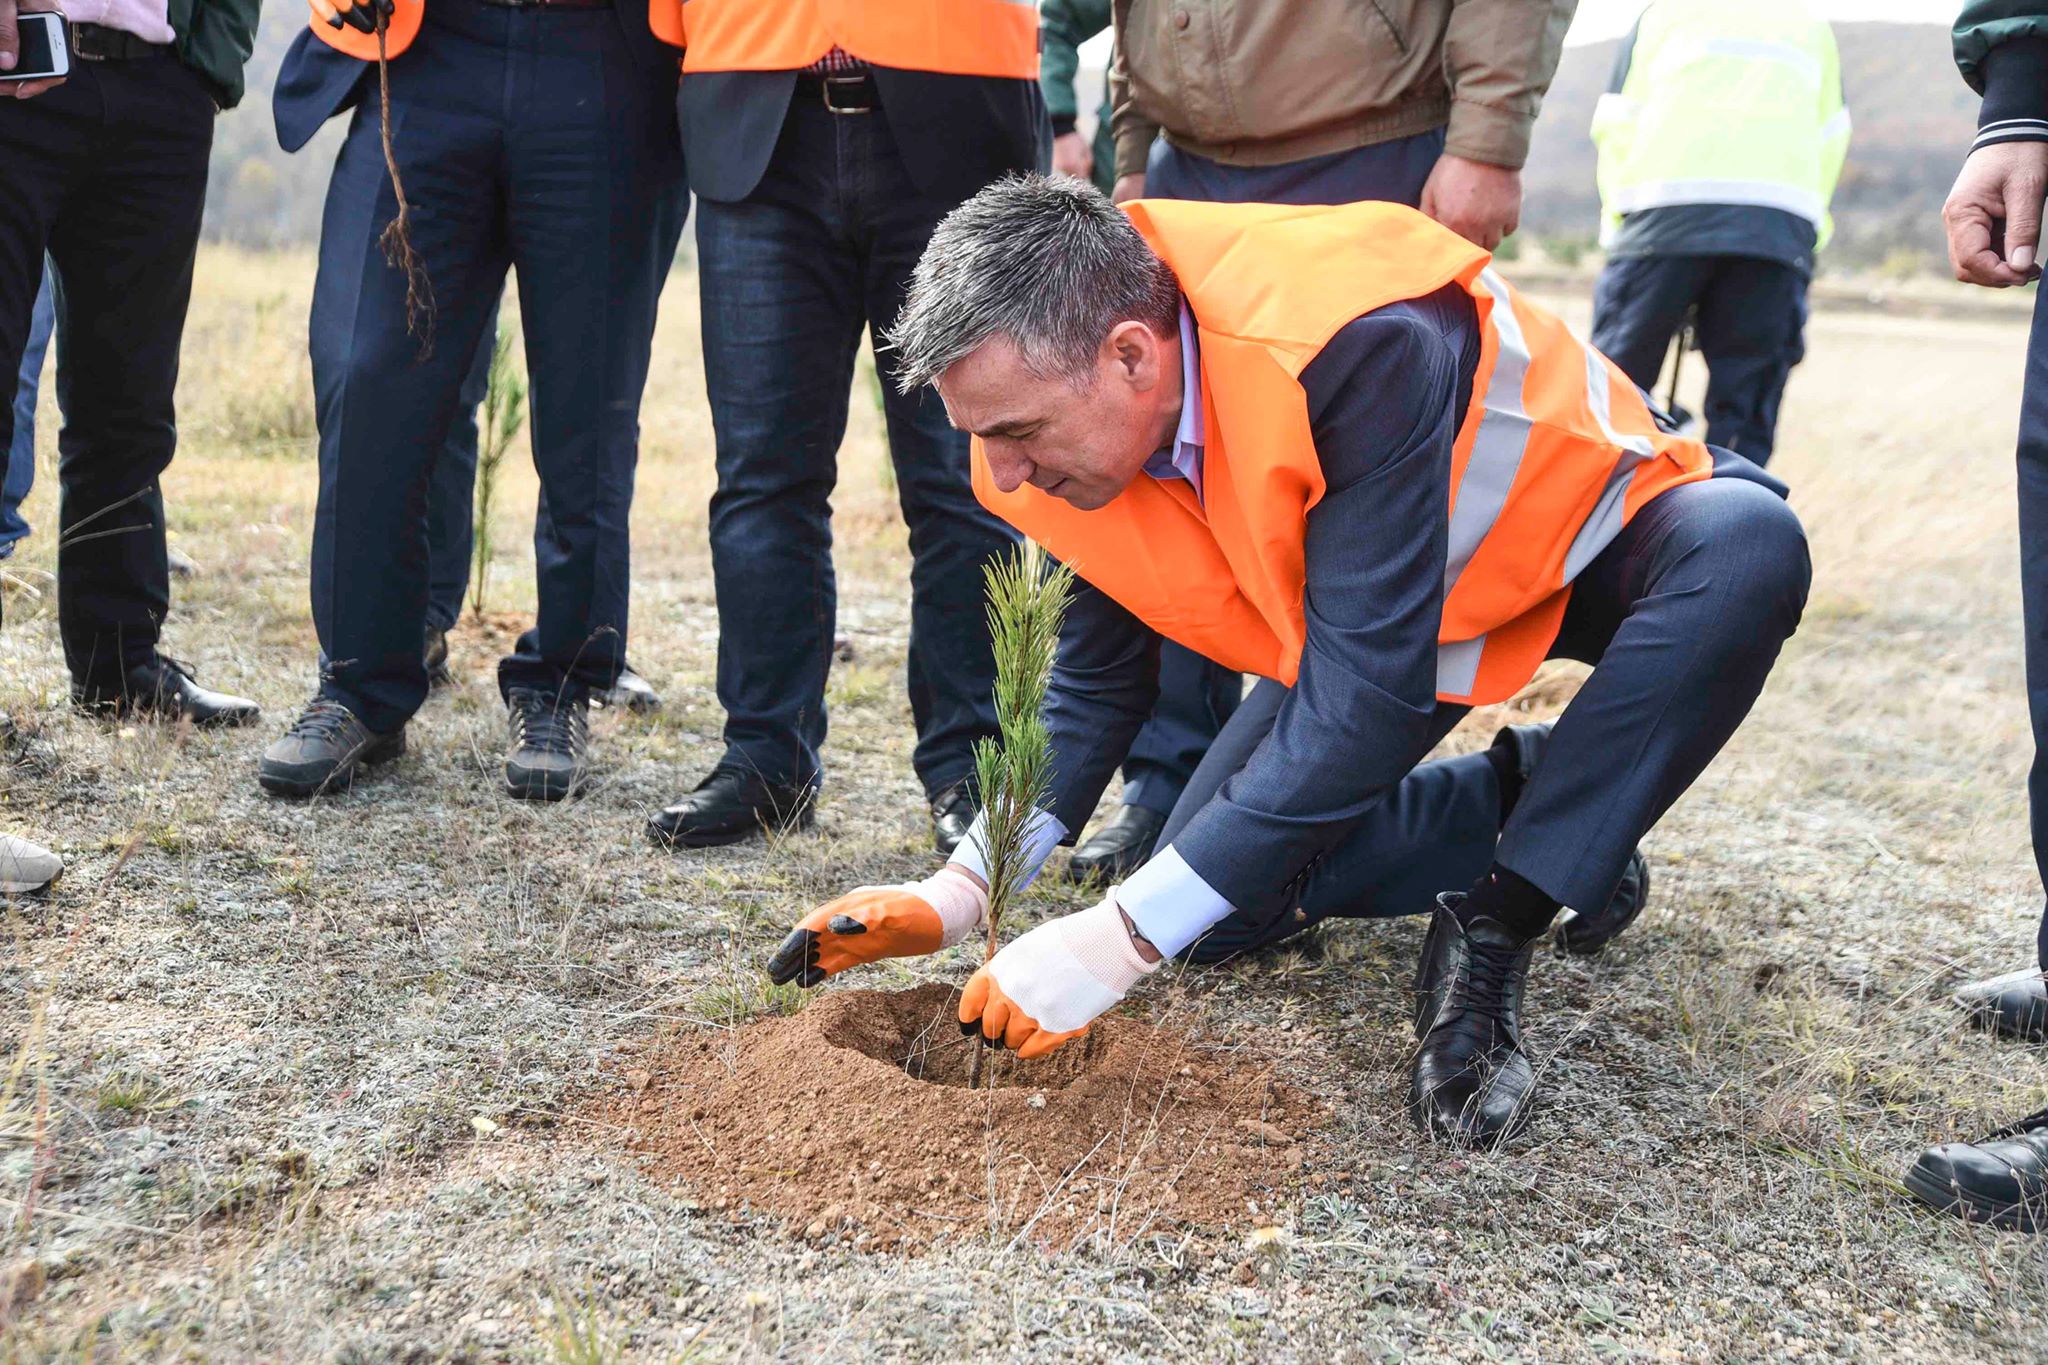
(630,693)
(26,868)
(323,749)
(550,743)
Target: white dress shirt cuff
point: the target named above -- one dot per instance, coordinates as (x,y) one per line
(1041,837)
(1170,903)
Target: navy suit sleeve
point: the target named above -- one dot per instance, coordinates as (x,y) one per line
(1104,682)
(1385,398)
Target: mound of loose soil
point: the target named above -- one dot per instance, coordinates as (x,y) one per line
(853,1119)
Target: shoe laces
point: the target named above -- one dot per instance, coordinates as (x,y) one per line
(1490,969)
(551,725)
(324,719)
(2033,1122)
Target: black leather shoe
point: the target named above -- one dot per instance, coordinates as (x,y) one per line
(435,656)
(164,689)
(1470,1084)
(323,749)
(1119,848)
(732,804)
(2000,1179)
(631,693)
(550,743)
(953,812)
(2012,1006)
(1585,935)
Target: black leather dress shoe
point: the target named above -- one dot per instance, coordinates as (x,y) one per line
(1119,848)
(164,689)
(2012,1006)
(732,804)
(1471,1084)
(953,812)
(435,656)
(1585,935)
(2000,1179)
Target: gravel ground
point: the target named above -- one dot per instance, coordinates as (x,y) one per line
(291,1081)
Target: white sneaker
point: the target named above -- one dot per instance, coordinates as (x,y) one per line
(26,867)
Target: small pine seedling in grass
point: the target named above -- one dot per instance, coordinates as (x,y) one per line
(503,415)
(1027,600)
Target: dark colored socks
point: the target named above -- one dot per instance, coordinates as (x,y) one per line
(1517,905)
(1507,775)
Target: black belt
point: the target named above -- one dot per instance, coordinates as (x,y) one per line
(547,4)
(97,43)
(853,93)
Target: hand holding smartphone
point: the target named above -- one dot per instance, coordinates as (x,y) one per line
(35,50)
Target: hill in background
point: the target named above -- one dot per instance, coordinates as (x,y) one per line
(1913,118)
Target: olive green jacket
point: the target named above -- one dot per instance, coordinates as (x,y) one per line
(215,38)
(1063,26)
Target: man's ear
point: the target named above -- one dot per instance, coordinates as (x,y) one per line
(1135,353)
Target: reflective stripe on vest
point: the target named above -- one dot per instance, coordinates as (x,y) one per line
(953,37)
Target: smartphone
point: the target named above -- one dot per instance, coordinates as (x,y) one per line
(45,48)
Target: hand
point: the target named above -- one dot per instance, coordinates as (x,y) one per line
(1480,203)
(1993,215)
(1128,187)
(1044,989)
(10,57)
(1071,155)
(874,922)
(357,14)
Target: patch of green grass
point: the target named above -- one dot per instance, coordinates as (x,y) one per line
(740,998)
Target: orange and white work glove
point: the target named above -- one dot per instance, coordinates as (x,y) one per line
(874,922)
(356,14)
(1046,987)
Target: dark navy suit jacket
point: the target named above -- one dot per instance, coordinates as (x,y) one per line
(956,133)
(316,82)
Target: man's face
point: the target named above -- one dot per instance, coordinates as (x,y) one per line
(1081,444)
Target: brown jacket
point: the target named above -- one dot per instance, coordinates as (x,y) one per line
(1257,82)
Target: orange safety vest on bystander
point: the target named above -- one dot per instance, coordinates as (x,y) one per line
(952,37)
(1556,452)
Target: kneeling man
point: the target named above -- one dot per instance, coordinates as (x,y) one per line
(1332,447)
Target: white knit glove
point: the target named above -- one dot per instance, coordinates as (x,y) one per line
(1047,986)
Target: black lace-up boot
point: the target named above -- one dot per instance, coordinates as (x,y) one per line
(2000,1179)
(1471,1083)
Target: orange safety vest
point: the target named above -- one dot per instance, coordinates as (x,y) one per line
(1555,454)
(664,17)
(956,37)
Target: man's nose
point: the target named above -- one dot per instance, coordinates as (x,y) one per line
(1008,469)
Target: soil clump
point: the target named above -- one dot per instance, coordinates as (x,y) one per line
(852,1120)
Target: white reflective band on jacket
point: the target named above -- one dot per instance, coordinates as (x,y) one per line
(1733,102)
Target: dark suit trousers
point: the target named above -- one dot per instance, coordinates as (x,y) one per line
(1682,616)
(108,173)
(2033,492)
(790,276)
(527,139)
(1749,323)
(1196,697)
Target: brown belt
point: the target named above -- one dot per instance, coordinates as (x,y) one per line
(853,93)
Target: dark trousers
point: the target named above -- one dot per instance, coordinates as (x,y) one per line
(790,277)
(1197,697)
(532,140)
(1749,323)
(1683,616)
(2033,492)
(107,172)
(451,497)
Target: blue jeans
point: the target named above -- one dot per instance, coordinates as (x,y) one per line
(20,471)
(534,139)
(1196,697)
(790,277)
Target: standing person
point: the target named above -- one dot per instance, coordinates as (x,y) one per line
(105,171)
(451,536)
(1243,396)
(1993,217)
(1065,25)
(537,136)
(18,476)
(825,140)
(1318,102)
(1721,136)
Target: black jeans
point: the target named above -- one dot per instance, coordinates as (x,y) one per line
(790,277)
(107,172)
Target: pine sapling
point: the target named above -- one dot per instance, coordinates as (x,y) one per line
(1027,599)
(503,414)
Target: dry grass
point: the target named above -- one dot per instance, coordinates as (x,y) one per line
(243,1050)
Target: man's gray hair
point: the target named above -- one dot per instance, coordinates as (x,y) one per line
(1046,261)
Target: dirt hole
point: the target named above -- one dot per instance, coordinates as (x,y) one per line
(850,1120)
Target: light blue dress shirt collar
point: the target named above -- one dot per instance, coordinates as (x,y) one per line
(1184,459)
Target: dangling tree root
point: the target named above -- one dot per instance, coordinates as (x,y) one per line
(396,239)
